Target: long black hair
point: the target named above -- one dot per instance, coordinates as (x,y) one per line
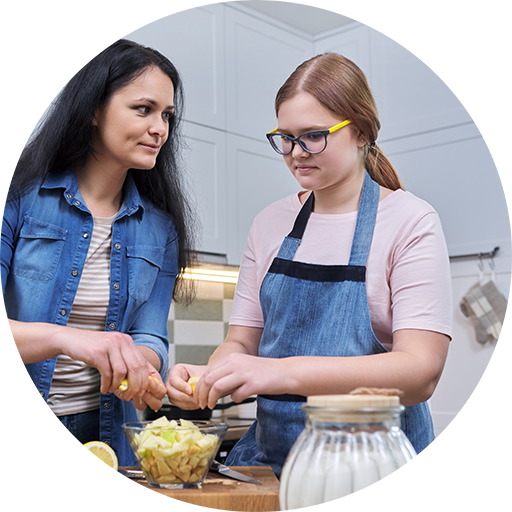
(63,139)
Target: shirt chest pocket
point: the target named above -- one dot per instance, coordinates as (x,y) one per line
(144,263)
(39,249)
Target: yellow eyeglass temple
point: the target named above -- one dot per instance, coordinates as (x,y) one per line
(338,126)
(333,129)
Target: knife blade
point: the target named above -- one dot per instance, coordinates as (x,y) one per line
(226,471)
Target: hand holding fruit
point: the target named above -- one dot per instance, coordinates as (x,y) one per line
(182,393)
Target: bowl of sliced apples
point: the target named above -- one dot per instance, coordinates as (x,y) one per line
(175,454)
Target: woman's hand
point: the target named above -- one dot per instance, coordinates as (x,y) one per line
(152,397)
(179,391)
(113,354)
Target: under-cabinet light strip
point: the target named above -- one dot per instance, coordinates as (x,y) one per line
(219,276)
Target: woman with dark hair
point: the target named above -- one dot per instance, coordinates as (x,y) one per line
(95,236)
(343,285)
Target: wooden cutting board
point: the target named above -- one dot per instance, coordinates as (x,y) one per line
(224,493)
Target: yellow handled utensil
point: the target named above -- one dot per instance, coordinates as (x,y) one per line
(193,381)
(124,383)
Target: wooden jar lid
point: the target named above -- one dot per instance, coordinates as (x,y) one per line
(353,401)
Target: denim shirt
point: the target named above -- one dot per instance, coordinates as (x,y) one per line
(45,239)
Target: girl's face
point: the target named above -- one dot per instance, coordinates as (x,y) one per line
(132,127)
(341,159)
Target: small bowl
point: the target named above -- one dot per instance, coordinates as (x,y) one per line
(175,454)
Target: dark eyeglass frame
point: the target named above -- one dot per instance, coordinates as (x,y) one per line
(293,140)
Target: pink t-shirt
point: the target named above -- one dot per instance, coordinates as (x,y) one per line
(408,272)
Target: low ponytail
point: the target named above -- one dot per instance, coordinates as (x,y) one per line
(380,169)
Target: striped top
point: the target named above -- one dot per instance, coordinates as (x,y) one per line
(75,386)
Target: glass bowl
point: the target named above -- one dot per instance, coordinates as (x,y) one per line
(175,454)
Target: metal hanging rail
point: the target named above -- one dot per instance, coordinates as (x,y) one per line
(478,255)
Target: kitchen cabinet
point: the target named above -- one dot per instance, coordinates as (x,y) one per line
(230,62)
(257,177)
(205,160)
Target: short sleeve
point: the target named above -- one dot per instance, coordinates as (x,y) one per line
(420,279)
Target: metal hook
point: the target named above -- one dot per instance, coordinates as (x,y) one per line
(480,263)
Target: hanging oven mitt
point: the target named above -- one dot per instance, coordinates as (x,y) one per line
(485,306)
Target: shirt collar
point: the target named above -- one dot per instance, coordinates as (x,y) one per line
(131,203)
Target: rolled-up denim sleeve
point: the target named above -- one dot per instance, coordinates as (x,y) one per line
(150,326)
(9,228)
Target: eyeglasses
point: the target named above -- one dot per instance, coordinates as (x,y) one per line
(313,142)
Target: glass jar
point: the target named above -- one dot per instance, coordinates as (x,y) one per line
(350,442)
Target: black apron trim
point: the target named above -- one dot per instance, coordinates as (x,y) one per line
(319,273)
(285,398)
(302,218)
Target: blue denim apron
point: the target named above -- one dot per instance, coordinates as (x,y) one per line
(316,310)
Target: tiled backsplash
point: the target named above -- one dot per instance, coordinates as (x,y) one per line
(197,330)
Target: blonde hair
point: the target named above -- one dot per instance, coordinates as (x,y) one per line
(341,87)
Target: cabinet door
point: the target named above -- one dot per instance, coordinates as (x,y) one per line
(193,40)
(257,177)
(260,57)
(205,159)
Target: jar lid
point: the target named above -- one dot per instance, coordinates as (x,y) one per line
(353,401)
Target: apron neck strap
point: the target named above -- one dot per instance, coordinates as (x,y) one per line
(302,219)
(366,215)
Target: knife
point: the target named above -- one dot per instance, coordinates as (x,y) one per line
(225,471)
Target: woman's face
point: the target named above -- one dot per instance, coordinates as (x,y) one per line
(132,127)
(339,162)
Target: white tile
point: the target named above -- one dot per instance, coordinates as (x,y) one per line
(227,308)
(171,312)
(192,332)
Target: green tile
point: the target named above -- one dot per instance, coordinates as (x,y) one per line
(170,331)
(229,290)
(200,309)
(194,354)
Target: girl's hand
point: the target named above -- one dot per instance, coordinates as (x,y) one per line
(241,376)
(178,390)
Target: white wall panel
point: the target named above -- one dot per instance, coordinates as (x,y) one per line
(438,65)
(353,44)
(205,158)
(257,177)
(191,35)
(440,74)
(453,170)
(260,57)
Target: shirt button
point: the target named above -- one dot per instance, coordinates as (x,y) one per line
(118,246)
(116,286)
(68,196)
(77,203)
(74,273)
(106,406)
(86,235)
(41,393)
(111,326)
(63,312)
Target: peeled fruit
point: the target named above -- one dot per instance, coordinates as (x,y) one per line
(174,453)
(193,381)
